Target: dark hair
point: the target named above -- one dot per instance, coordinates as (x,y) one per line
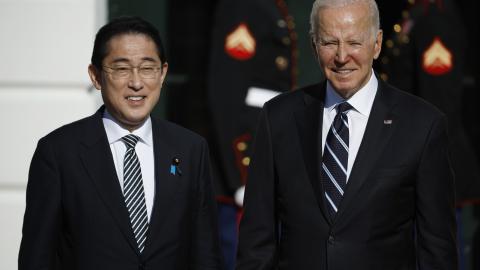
(120,26)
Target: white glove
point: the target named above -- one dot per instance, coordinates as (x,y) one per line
(238,196)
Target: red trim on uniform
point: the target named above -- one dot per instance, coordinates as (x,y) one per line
(239,216)
(225,199)
(467,202)
(426,5)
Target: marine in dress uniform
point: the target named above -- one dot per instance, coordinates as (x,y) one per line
(427,55)
(252,59)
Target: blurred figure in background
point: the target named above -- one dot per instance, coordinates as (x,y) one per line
(427,54)
(252,59)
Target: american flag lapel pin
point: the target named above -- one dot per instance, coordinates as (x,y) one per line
(387,122)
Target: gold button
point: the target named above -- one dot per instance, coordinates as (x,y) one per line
(286,41)
(246,161)
(281,62)
(397,28)
(241,146)
(281,23)
(389,43)
(291,24)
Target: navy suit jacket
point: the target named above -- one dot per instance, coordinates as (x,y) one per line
(76,217)
(398,207)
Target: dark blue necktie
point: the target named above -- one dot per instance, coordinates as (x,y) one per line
(335,159)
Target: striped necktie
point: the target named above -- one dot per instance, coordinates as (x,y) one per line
(133,191)
(335,159)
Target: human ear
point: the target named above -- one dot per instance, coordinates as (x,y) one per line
(95,76)
(378,44)
(163,73)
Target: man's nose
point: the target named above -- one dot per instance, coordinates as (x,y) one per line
(135,81)
(341,55)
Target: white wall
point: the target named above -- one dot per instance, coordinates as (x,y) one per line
(45,50)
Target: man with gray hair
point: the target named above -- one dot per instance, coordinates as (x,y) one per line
(350,173)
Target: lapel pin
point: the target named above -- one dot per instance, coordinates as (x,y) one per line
(174,168)
(387,122)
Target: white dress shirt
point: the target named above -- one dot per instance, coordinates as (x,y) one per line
(361,102)
(144,150)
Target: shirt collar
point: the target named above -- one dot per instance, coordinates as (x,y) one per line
(116,132)
(361,101)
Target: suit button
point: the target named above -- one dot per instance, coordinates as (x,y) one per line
(141,266)
(331,239)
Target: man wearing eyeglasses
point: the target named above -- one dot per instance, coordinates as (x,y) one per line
(120,189)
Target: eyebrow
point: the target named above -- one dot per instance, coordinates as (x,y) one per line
(149,59)
(125,60)
(120,59)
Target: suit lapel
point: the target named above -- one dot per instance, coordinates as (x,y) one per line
(309,122)
(98,162)
(166,183)
(376,136)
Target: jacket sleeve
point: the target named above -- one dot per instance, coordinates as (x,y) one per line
(258,228)
(206,246)
(435,203)
(42,219)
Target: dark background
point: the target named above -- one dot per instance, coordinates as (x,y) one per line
(185,26)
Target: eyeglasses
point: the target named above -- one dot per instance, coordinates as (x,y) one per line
(125,72)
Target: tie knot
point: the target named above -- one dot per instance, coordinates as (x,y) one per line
(343,107)
(130,140)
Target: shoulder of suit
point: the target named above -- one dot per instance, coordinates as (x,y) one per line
(295,98)
(71,131)
(409,103)
(175,131)
(403,102)
(78,129)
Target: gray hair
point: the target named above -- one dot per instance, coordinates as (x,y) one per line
(319,4)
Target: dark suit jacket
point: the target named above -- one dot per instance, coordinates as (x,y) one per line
(76,217)
(398,207)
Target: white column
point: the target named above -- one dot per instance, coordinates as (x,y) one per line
(46,48)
